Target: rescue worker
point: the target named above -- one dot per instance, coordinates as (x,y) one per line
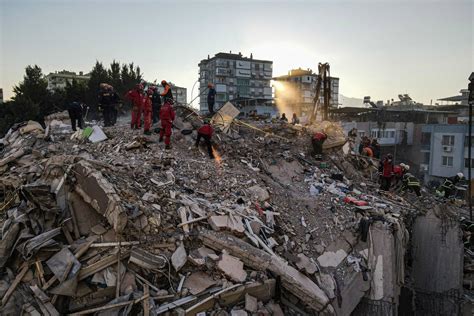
(211,98)
(136,97)
(75,114)
(115,104)
(410,182)
(449,185)
(386,172)
(167,116)
(167,95)
(147,112)
(317,142)
(295,120)
(106,103)
(206,132)
(398,172)
(156,104)
(375,148)
(283,118)
(367,151)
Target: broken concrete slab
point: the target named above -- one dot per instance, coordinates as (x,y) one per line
(251,303)
(232,267)
(305,264)
(238,312)
(258,193)
(147,260)
(292,280)
(179,258)
(100,194)
(225,222)
(332,259)
(198,282)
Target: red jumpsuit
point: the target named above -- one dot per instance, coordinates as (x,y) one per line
(137,103)
(147,112)
(166,117)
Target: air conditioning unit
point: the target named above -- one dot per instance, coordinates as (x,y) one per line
(447,149)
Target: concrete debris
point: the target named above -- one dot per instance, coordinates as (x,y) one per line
(179,258)
(232,267)
(108,224)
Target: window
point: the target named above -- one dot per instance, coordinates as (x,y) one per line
(361,134)
(448,140)
(466,141)
(426,158)
(466,163)
(447,161)
(425,138)
(243,82)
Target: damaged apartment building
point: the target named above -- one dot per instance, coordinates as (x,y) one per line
(431,139)
(115,225)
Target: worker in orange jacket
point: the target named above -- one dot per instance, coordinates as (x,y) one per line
(147,111)
(136,96)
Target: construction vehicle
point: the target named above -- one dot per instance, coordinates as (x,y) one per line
(323,80)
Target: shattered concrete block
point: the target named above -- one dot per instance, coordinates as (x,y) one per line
(198,282)
(179,257)
(238,312)
(306,264)
(150,197)
(275,309)
(147,260)
(232,267)
(251,303)
(226,222)
(328,285)
(332,259)
(97,191)
(259,193)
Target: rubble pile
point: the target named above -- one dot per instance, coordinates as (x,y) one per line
(121,226)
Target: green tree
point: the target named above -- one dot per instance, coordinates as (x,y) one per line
(98,75)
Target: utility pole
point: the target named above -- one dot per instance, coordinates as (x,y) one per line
(470,101)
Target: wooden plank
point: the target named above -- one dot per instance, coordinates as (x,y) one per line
(184,219)
(15,283)
(100,265)
(97,309)
(44,299)
(146,303)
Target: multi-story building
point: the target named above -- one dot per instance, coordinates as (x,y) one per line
(295,92)
(445,150)
(241,80)
(179,93)
(57,80)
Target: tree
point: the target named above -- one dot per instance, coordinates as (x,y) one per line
(98,75)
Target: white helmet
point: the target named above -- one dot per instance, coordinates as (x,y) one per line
(404,166)
(460,175)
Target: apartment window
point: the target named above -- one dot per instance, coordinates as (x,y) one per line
(466,141)
(466,163)
(426,158)
(448,140)
(447,161)
(257,67)
(243,82)
(361,134)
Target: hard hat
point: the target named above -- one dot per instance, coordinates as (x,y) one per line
(209,85)
(163,82)
(460,175)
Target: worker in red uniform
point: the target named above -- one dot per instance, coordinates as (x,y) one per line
(317,142)
(167,95)
(398,173)
(206,132)
(136,96)
(147,111)
(367,151)
(386,170)
(167,116)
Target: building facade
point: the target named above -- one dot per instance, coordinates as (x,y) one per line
(295,92)
(445,150)
(236,78)
(58,80)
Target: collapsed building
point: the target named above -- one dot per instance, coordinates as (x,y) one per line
(115,225)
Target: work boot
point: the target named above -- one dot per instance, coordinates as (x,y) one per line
(168,147)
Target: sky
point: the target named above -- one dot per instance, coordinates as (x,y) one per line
(378,48)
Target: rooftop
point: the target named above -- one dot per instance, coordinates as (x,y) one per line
(231,56)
